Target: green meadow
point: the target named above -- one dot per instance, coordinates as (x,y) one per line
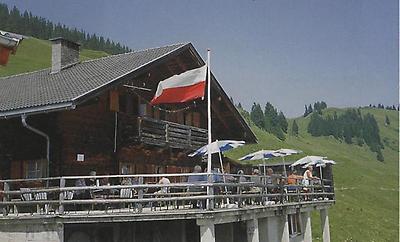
(367,190)
(35,54)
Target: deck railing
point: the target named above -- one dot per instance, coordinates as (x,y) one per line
(161,133)
(139,193)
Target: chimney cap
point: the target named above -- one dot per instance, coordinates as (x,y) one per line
(62,39)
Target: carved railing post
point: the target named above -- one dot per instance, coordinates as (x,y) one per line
(190,137)
(140,195)
(61,196)
(167,132)
(5,198)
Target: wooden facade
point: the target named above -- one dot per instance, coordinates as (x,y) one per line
(116,127)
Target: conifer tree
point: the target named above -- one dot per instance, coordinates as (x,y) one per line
(310,109)
(283,124)
(305,111)
(295,128)
(257,115)
(27,24)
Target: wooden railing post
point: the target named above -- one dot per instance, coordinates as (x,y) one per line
(140,195)
(190,137)
(139,128)
(61,196)
(166,132)
(210,192)
(5,198)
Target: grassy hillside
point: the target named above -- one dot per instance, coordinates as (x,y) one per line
(34,54)
(367,191)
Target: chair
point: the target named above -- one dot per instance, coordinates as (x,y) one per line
(69,195)
(126,193)
(41,196)
(26,195)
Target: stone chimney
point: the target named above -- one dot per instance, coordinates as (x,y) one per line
(64,53)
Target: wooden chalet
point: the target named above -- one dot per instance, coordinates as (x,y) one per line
(95,115)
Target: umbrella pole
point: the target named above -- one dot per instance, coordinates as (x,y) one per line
(320,172)
(223,174)
(284,166)
(265,173)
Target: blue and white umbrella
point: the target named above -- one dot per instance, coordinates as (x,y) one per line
(217,147)
(287,152)
(261,155)
(308,159)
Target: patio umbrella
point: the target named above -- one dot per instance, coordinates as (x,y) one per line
(286,152)
(261,155)
(320,164)
(307,159)
(218,146)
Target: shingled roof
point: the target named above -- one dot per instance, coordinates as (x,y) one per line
(41,90)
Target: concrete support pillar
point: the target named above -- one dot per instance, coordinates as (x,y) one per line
(183,231)
(273,229)
(133,232)
(225,232)
(285,232)
(252,230)
(207,232)
(263,229)
(325,225)
(306,222)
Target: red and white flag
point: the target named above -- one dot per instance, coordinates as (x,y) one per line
(181,88)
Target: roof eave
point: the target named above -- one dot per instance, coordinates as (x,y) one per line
(37,110)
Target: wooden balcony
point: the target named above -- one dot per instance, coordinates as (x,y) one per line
(133,129)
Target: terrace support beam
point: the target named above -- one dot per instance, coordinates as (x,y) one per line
(306,222)
(285,233)
(207,232)
(325,225)
(252,230)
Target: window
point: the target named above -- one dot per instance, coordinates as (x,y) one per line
(294,224)
(35,169)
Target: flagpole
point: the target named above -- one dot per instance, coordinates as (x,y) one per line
(209,111)
(210,191)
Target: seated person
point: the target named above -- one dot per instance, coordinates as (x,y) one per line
(163,181)
(256,179)
(196,179)
(81,194)
(293,178)
(93,181)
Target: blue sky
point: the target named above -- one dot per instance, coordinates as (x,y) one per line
(290,53)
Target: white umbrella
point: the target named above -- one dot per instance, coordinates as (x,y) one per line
(286,152)
(307,159)
(320,164)
(217,147)
(261,155)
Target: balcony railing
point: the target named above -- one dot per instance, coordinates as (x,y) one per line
(142,194)
(160,133)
